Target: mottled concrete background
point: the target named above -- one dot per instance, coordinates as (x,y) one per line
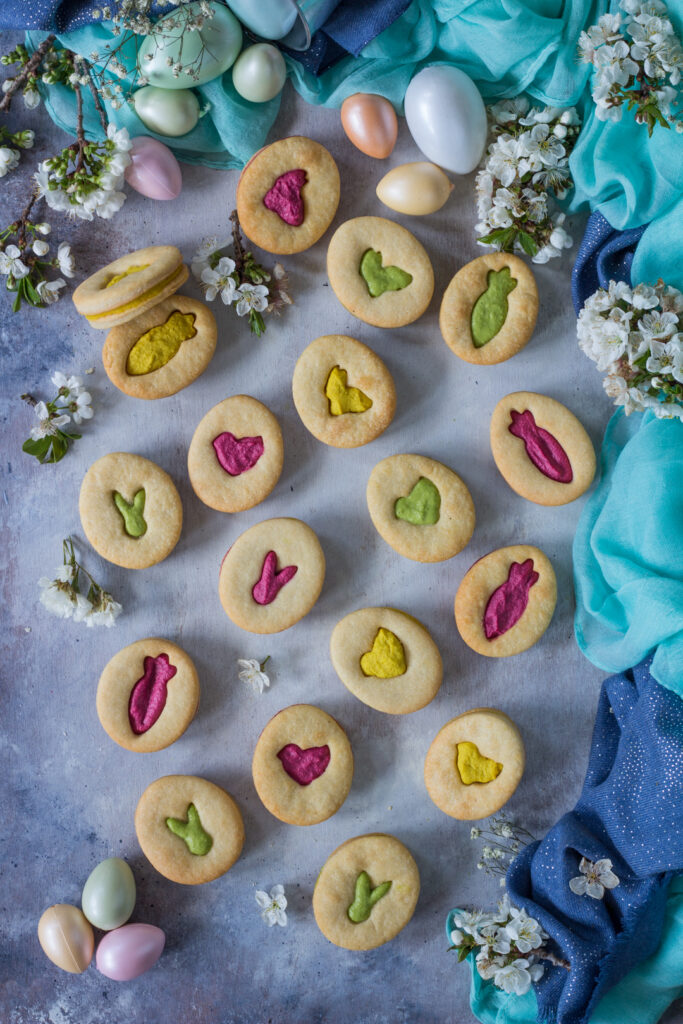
(73,792)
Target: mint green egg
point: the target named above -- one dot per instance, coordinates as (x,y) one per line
(208,51)
(109,894)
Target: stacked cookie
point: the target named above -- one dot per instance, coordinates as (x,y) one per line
(158,341)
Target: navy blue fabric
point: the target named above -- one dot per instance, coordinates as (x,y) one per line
(349,28)
(604,255)
(630,811)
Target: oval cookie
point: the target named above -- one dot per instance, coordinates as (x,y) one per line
(420,507)
(379,271)
(366,892)
(235,457)
(189,829)
(147,695)
(488,312)
(506,601)
(387,659)
(130,510)
(272,575)
(474,764)
(302,765)
(130,285)
(287,195)
(343,392)
(541,449)
(161,351)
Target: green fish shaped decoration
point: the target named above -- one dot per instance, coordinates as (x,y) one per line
(490,311)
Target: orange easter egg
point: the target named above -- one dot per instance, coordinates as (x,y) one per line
(370,123)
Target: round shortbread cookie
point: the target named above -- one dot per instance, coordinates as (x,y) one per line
(506,600)
(287,195)
(130,510)
(387,659)
(420,507)
(147,695)
(381,295)
(343,392)
(130,285)
(474,764)
(302,765)
(257,587)
(488,312)
(161,351)
(205,835)
(366,892)
(236,453)
(540,448)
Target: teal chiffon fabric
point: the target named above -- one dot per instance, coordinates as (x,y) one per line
(639,998)
(628,551)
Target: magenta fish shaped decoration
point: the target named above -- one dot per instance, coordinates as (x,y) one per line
(544,450)
(304,766)
(148,696)
(237,455)
(508,602)
(285,198)
(271,582)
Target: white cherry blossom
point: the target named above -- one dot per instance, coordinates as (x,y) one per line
(594,878)
(273,905)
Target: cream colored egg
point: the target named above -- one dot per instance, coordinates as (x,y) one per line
(66,937)
(165,111)
(416,189)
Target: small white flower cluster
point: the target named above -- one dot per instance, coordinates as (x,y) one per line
(24,265)
(635,335)
(638,62)
(508,942)
(9,157)
(251,671)
(273,905)
(241,282)
(62,596)
(134,16)
(528,159)
(595,877)
(48,441)
(503,840)
(91,187)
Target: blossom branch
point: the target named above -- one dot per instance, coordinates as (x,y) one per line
(28,70)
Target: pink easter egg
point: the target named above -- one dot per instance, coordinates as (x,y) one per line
(129,951)
(154,171)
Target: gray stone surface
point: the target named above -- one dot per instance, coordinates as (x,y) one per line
(73,792)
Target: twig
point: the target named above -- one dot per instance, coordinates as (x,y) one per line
(80,136)
(20,225)
(95,95)
(240,253)
(27,70)
(545,954)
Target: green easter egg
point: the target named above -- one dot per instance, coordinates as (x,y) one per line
(208,51)
(109,894)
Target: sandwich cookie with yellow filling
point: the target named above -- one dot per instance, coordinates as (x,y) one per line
(130,286)
(162,350)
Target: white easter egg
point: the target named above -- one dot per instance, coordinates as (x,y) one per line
(169,112)
(415,189)
(259,73)
(209,51)
(447,118)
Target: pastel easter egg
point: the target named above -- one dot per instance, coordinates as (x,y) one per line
(259,73)
(66,937)
(208,51)
(370,123)
(269,19)
(128,952)
(154,171)
(171,112)
(415,189)
(109,894)
(447,118)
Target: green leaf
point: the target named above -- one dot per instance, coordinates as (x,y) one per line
(256,323)
(16,305)
(493,237)
(59,449)
(527,243)
(463,953)
(31,294)
(37,448)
